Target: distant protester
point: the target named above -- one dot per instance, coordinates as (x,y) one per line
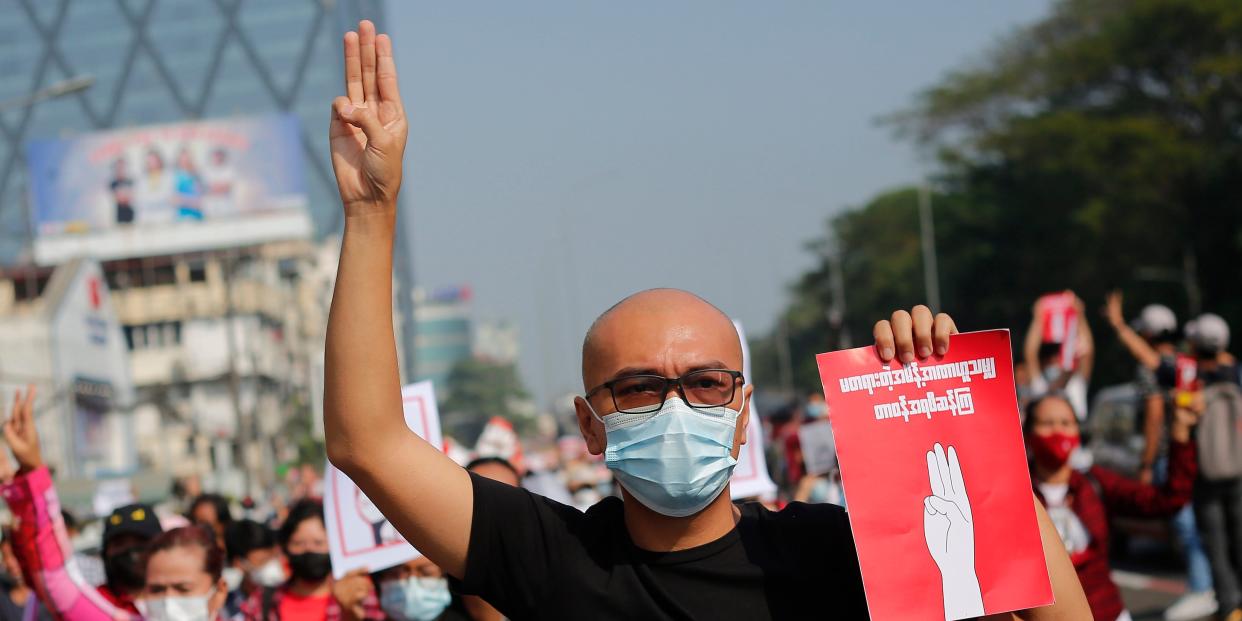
(183,577)
(254,562)
(311,594)
(212,511)
(44,551)
(1080,503)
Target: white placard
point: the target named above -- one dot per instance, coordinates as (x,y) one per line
(750,476)
(358,534)
(112,494)
(819,449)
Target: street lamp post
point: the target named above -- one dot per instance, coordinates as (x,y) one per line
(52,91)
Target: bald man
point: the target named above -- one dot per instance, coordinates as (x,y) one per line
(663,400)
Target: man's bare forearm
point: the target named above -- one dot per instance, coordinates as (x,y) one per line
(1138,347)
(362,387)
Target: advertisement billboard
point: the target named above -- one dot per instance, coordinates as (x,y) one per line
(164,189)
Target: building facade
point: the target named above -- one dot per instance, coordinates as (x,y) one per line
(211,361)
(224,344)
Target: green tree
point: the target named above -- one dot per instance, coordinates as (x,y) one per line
(1096,148)
(480,389)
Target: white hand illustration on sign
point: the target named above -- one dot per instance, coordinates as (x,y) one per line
(949,529)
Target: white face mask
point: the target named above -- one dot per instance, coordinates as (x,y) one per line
(232,578)
(180,608)
(269,574)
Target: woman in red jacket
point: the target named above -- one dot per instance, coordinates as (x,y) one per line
(1080,503)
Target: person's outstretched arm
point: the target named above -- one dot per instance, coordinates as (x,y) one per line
(1030,344)
(1127,497)
(40,541)
(1138,347)
(426,496)
(1086,342)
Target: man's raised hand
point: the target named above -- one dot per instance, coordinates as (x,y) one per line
(368,129)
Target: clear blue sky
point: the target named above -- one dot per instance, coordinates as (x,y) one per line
(564,154)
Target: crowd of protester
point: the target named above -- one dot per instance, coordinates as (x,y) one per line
(202,564)
(1180,374)
(547,531)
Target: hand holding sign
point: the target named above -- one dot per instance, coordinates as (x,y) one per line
(949,529)
(938,422)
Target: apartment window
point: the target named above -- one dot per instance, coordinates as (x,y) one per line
(198,271)
(153,335)
(162,274)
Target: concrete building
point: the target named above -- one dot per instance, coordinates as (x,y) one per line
(495,340)
(224,347)
(69,343)
(219,355)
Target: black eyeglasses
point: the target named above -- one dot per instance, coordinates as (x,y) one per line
(641,394)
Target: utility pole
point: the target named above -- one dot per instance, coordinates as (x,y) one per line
(784,360)
(836,283)
(931,279)
(230,265)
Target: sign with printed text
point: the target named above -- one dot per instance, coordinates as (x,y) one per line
(935,473)
(359,536)
(819,448)
(750,476)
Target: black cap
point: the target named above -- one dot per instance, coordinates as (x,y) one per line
(137,519)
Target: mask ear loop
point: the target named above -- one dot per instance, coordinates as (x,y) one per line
(593,413)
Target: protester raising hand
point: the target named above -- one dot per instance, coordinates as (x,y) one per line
(20,431)
(368,129)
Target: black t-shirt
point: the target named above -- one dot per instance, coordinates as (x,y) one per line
(534,558)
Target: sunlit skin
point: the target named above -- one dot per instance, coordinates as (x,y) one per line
(179,572)
(496,472)
(662,332)
(205,514)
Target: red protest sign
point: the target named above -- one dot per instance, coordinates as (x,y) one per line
(935,474)
(1059,323)
(1187,369)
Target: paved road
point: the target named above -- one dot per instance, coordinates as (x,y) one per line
(1151,578)
(1147,595)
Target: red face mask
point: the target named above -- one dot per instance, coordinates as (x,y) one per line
(1053,450)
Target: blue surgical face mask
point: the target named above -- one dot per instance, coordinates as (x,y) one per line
(816,409)
(414,598)
(674,461)
(1052,373)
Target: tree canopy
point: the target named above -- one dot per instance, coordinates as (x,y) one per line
(1098,148)
(479,389)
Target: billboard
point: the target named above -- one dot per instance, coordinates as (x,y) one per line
(164,189)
